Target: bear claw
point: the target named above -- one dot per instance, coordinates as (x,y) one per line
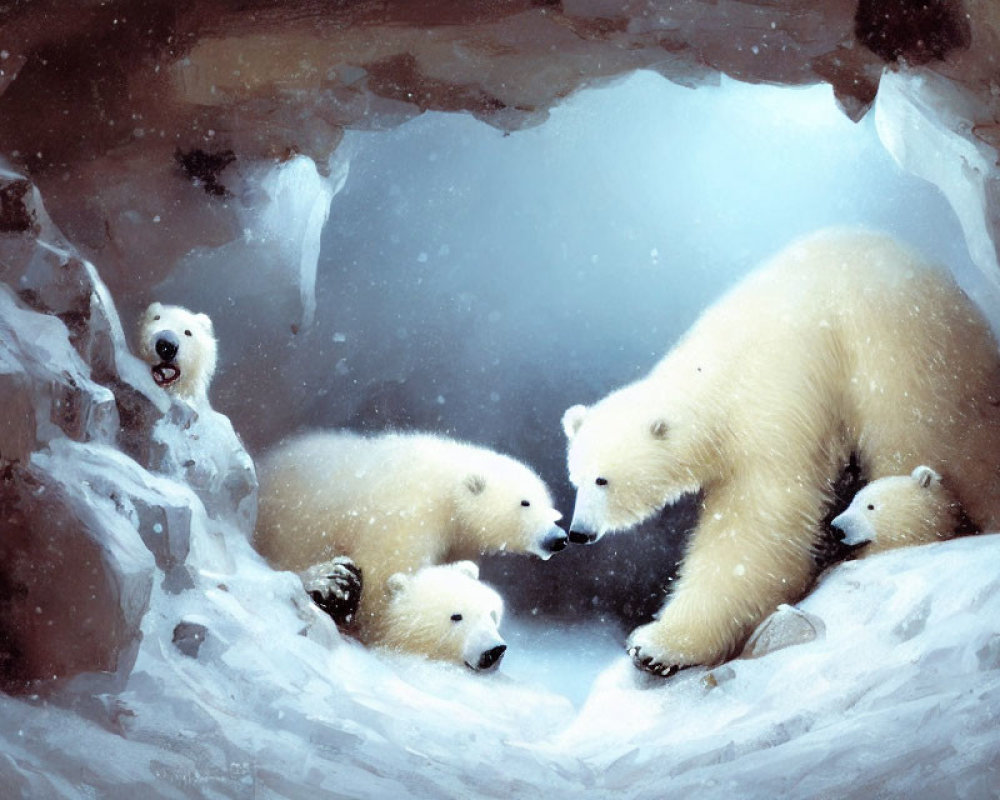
(336,588)
(650,665)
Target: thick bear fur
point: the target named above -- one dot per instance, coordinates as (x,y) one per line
(845,344)
(395,503)
(180,348)
(900,511)
(446,613)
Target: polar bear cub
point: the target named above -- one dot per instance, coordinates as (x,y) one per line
(900,510)
(446,613)
(180,348)
(379,509)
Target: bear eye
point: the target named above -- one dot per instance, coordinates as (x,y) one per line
(187,333)
(871,507)
(601,481)
(156,318)
(456,617)
(525,503)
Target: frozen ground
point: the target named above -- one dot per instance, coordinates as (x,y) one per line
(899,698)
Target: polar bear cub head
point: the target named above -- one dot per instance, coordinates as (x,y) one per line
(900,510)
(180,348)
(446,613)
(502,505)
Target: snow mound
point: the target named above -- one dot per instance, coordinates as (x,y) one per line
(900,697)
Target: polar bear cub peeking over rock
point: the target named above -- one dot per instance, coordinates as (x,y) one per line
(395,504)
(901,510)
(180,348)
(845,345)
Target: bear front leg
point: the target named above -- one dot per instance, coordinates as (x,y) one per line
(681,638)
(335,586)
(736,572)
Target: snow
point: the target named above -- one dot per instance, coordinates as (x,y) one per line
(898,696)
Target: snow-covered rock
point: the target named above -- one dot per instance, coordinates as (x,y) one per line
(103,480)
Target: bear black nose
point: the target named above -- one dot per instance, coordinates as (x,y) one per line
(576,537)
(166,345)
(555,540)
(491,657)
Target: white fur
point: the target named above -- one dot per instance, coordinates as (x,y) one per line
(395,503)
(844,343)
(900,510)
(197,351)
(442,612)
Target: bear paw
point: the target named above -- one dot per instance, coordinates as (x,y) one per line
(335,586)
(649,648)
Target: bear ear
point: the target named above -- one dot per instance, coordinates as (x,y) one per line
(397,582)
(572,419)
(925,476)
(153,309)
(468,568)
(659,428)
(475,483)
(206,322)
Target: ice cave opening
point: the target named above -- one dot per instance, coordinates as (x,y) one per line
(477,284)
(446,274)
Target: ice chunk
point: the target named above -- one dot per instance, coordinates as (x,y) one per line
(786,627)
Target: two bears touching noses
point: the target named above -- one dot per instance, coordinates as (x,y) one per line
(845,348)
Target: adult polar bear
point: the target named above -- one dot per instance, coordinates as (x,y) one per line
(845,343)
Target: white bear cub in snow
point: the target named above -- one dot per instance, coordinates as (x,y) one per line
(444,612)
(179,346)
(900,510)
(361,518)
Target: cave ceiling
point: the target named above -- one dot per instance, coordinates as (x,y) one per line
(107,105)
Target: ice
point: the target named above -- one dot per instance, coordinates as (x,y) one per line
(923,121)
(786,627)
(293,218)
(282,209)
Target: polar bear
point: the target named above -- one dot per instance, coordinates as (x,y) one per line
(180,348)
(395,503)
(443,612)
(846,345)
(901,510)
